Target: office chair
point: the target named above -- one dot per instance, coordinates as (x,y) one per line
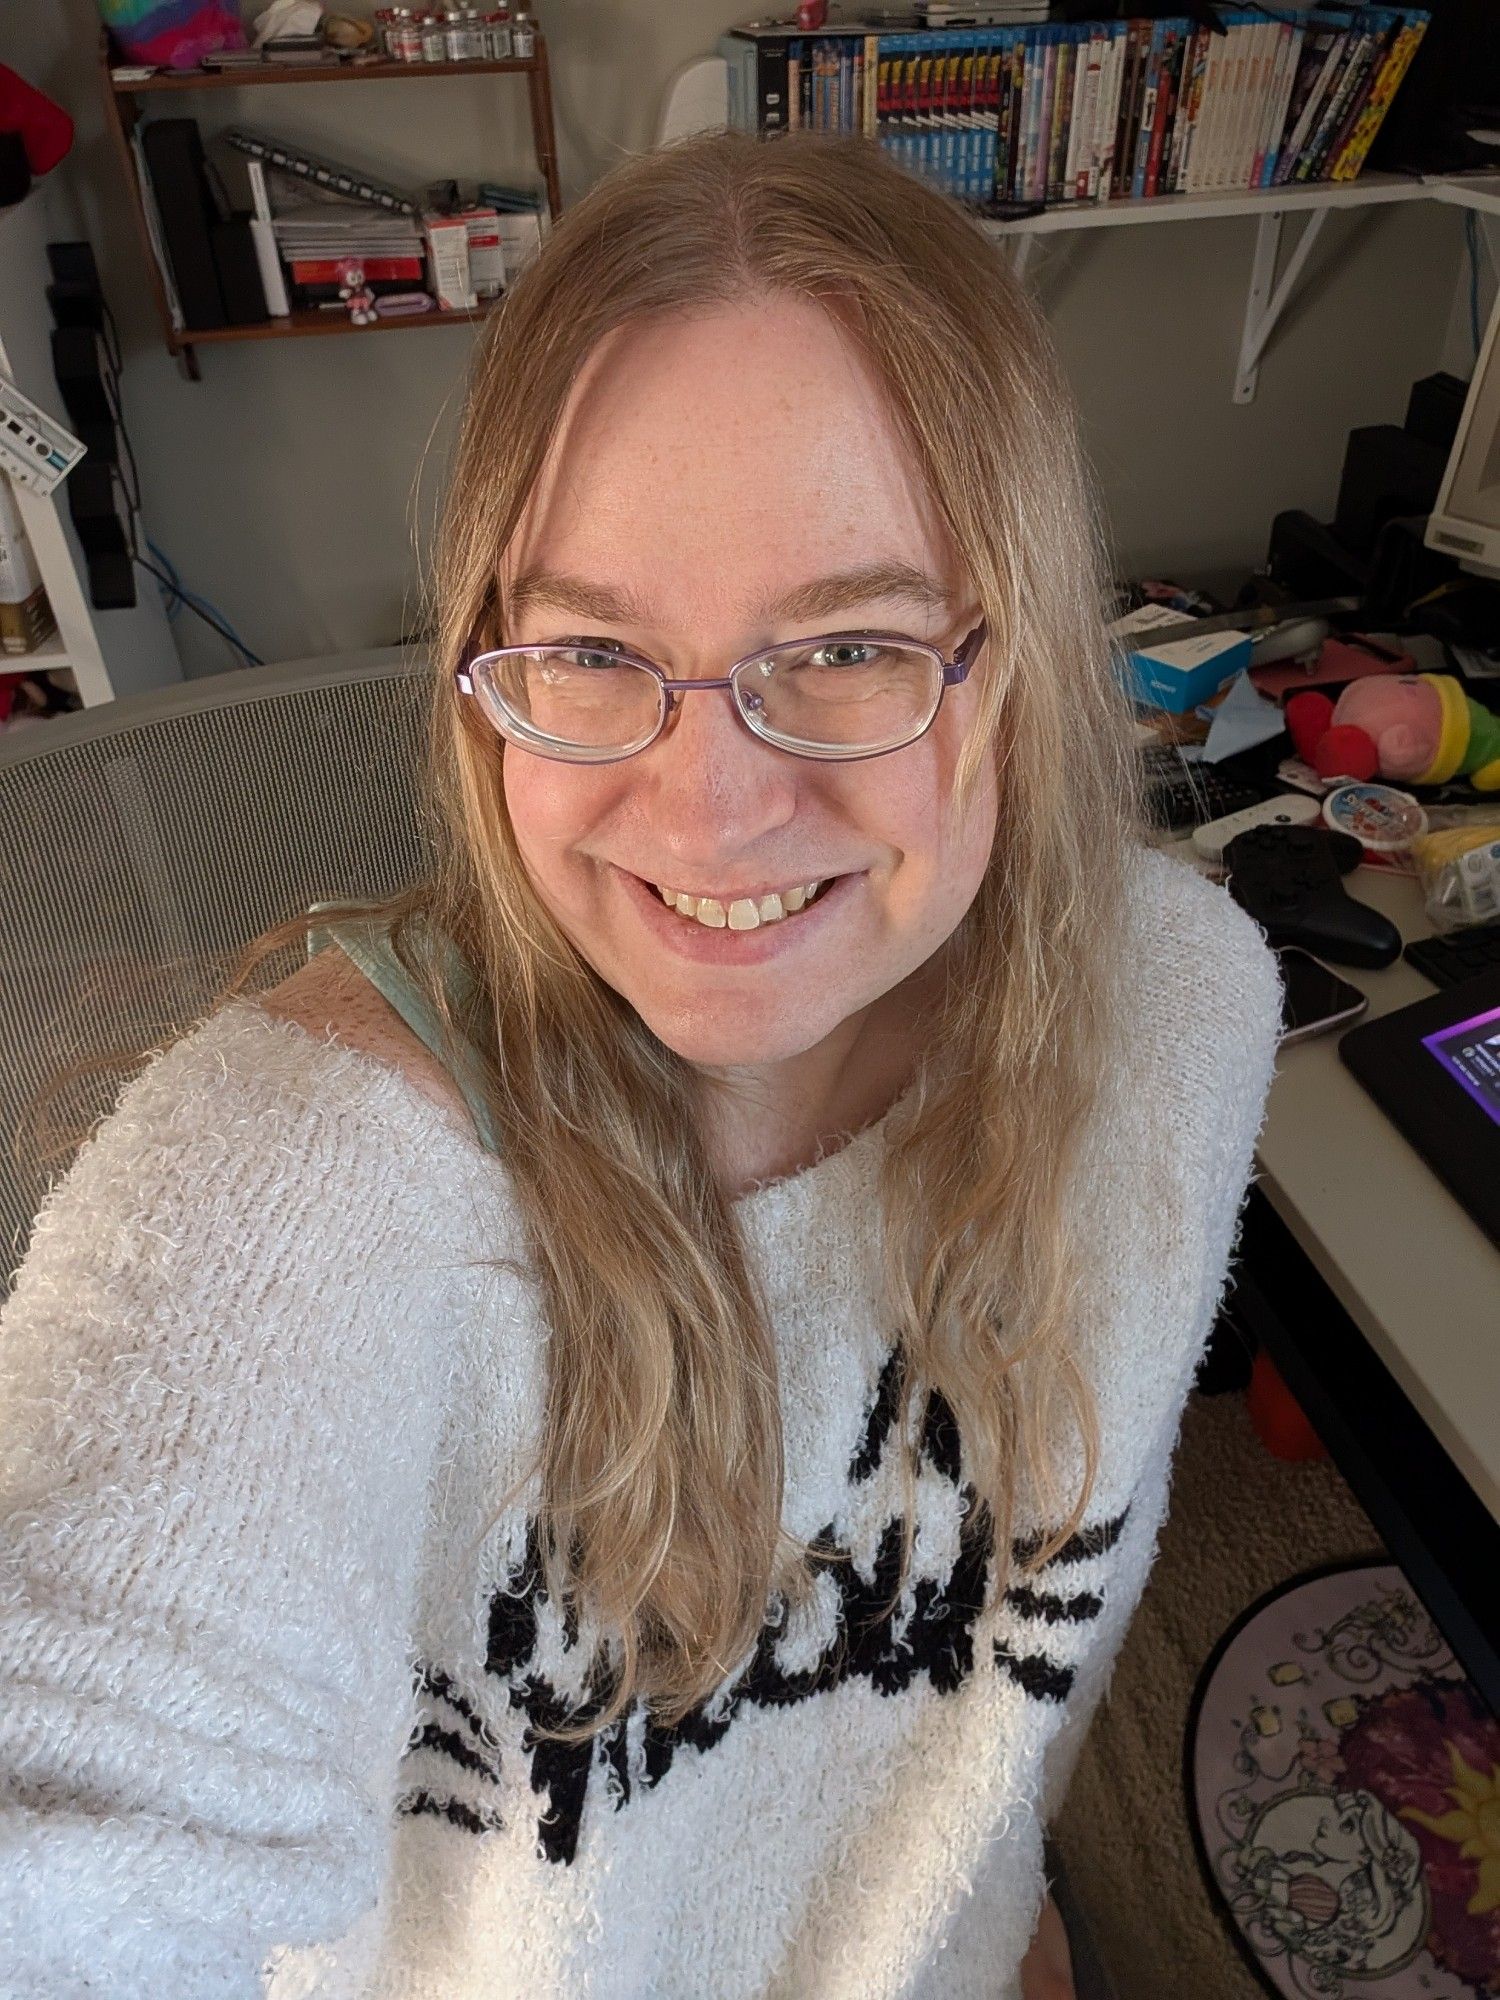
(181,823)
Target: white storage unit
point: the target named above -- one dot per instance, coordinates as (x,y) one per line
(110,652)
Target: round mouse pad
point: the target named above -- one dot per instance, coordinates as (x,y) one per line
(1343,1785)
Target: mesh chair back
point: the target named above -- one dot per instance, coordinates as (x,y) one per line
(153,836)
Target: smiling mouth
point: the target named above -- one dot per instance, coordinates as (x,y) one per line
(743,913)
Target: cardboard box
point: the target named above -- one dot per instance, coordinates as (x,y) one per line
(1180,673)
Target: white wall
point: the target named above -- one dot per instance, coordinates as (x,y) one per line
(283,485)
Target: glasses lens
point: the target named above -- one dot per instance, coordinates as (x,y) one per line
(855,694)
(573,697)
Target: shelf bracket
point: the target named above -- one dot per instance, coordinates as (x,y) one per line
(1265,305)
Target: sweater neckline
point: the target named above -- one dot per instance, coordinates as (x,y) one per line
(855,1150)
(846,1163)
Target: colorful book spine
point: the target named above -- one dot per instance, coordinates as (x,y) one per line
(1046,90)
(1334,100)
(1135,32)
(1209,117)
(1321,60)
(1093,110)
(1240,33)
(1059,100)
(1175,119)
(1291,62)
(1187,112)
(1363,136)
(1260,46)
(1109,112)
(1377,53)
(1086,108)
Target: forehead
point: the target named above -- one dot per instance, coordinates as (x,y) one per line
(702,458)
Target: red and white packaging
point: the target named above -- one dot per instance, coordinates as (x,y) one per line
(486,254)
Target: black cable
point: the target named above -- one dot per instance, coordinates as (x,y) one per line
(251,659)
(131,487)
(130,491)
(111,338)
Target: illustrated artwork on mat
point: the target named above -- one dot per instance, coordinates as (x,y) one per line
(1343,1780)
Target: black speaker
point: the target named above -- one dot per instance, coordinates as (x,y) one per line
(78,362)
(112,581)
(100,440)
(92,503)
(1435,408)
(76,305)
(1387,473)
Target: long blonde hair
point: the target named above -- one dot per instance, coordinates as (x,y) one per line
(660,1454)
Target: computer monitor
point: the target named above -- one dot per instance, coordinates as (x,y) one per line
(1465,523)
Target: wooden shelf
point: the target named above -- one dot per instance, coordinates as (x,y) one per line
(344,72)
(123,113)
(306,323)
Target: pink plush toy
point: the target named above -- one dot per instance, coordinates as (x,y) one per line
(1420,729)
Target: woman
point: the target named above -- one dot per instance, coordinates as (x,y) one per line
(605,1435)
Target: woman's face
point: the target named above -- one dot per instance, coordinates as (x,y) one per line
(721,482)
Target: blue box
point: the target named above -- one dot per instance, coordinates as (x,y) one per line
(1180,673)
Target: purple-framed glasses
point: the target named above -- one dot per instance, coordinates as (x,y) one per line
(840,696)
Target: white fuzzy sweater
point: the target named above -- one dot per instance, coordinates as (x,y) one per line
(264,1714)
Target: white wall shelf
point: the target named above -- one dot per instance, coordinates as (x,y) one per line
(1267,295)
(110,652)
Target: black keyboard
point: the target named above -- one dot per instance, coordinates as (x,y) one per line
(1457,955)
(1180,796)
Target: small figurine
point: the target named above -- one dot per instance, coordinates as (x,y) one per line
(356,294)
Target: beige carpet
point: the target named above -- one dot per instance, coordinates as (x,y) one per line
(1239,1522)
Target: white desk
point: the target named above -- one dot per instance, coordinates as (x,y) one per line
(1418,1277)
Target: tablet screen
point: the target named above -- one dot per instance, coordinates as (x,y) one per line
(1470,1052)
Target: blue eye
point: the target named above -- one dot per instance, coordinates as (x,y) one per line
(848,653)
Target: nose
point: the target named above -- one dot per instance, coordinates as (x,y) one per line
(716,785)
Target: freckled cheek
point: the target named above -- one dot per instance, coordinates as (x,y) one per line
(552,813)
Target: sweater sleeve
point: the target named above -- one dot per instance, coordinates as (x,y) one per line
(218,1406)
(1209,1028)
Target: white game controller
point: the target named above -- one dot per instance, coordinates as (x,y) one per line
(1288,809)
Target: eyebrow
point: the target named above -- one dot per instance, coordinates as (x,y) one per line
(818,597)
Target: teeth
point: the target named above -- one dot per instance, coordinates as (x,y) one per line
(745,913)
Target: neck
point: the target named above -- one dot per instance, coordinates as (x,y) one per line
(765,1121)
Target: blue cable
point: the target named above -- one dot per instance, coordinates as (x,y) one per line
(202,605)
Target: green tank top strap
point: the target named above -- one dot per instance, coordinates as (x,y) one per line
(368,945)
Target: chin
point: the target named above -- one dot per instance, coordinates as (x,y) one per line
(728,1040)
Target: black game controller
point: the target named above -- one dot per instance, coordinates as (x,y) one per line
(1289,878)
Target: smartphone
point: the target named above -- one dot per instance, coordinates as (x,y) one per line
(1314,999)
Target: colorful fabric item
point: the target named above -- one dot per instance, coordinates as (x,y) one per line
(172,34)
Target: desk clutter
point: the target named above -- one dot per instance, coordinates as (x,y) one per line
(318,236)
